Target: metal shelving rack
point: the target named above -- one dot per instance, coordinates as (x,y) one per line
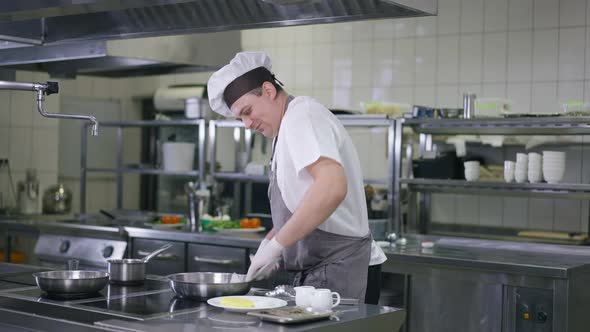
(121,169)
(504,126)
(347,121)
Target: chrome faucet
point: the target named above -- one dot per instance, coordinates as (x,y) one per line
(198,202)
(43,89)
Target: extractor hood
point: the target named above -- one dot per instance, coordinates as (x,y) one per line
(78,35)
(125,58)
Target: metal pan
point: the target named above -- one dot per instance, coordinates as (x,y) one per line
(131,271)
(205,285)
(71,282)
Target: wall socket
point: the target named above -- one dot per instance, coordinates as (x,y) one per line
(3,162)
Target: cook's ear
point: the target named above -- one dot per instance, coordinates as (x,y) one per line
(269,90)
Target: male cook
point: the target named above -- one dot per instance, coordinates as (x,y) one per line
(316,189)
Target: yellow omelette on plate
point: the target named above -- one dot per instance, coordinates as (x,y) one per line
(237,302)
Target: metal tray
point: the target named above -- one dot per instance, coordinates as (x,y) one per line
(291,315)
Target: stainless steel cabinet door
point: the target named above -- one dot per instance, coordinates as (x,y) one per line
(446,305)
(168,262)
(208,258)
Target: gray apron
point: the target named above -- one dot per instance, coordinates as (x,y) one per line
(322,259)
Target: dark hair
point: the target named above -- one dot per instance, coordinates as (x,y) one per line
(258,91)
(248,82)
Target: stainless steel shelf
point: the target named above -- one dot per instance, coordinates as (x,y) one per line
(371,120)
(375,181)
(241,177)
(503,126)
(150,123)
(144,171)
(561,190)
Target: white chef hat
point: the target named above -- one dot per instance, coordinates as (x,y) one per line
(245,72)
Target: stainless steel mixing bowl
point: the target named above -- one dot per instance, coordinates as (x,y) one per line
(205,285)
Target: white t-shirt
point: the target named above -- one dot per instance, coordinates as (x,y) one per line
(309,131)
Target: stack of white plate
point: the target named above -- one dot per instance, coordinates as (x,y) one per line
(553,166)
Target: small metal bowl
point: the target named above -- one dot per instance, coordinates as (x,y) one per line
(205,285)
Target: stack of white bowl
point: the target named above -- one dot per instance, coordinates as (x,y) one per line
(534,168)
(471,170)
(520,170)
(553,166)
(509,167)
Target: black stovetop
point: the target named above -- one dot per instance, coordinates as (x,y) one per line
(110,291)
(149,300)
(144,305)
(24,278)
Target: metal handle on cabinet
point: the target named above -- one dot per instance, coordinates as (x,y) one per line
(160,256)
(214,261)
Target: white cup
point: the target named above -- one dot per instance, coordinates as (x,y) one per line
(324,299)
(303,296)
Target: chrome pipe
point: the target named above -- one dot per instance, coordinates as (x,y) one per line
(24,86)
(91,118)
(47,88)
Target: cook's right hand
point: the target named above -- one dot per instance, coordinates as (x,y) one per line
(265,261)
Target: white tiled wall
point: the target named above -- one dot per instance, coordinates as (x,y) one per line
(535,52)
(531,51)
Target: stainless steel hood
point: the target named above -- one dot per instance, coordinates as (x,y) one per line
(125,58)
(60,27)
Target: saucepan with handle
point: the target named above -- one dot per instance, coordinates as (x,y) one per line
(131,271)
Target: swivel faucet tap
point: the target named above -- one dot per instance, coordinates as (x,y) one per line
(198,204)
(43,89)
(194,204)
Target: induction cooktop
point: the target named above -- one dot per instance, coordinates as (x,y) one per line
(110,291)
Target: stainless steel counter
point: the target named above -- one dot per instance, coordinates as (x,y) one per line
(352,318)
(206,318)
(533,259)
(154,307)
(517,257)
(245,240)
(485,285)
(112,228)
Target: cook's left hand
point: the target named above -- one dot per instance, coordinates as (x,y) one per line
(265,261)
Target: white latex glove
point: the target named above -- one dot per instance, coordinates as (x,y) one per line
(262,244)
(265,261)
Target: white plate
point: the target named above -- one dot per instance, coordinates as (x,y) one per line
(241,230)
(260,303)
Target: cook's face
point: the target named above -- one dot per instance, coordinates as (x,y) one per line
(258,113)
